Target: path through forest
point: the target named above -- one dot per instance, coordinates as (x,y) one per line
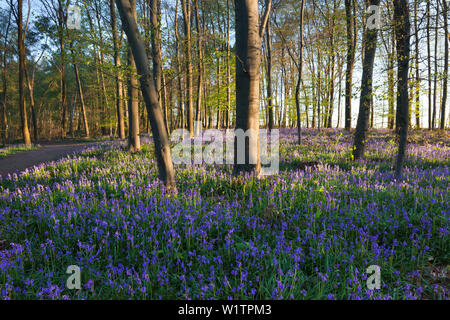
(48,152)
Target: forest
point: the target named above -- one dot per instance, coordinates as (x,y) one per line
(224,149)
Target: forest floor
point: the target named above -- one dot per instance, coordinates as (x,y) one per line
(47,152)
(309,232)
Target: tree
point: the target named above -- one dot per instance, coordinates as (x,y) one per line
(436,71)
(429,64)
(446,74)
(200,66)
(21,33)
(118,78)
(249,33)
(370,47)
(402,34)
(269,76)
(149,93)
(134,143)
(187,13)
(350,62)
(4,70)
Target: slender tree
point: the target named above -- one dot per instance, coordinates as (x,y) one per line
(445,14)
(21,32)
(269,76)
(187,13)
(350,62)
(118,77)
(249,33)
(149,93)
(402,34)
(134,143)
(370,46)
(4,70)
(436,71)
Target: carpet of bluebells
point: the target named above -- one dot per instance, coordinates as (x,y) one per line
(310,232)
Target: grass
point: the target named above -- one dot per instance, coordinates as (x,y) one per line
(13,149)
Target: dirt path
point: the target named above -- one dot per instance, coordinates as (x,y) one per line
(48,152)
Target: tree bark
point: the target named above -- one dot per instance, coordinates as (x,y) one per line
(21,50)
(402,34)
(248,58)
(429,64)
(350,64)
(149,93)
(370,46)
(446,74)
(180,116)
(436,40)
(118,77)
(134,143)
(63,95)
(187,12)
(417,83)
(269,77)
(200,67)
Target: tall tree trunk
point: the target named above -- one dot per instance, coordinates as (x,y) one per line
(134,143)
(248,58)
(105,113)
(187,12)
(3,115)
(118,77)
(370,47)
(160,137)
(429,64)
(300,75)
(402,34)
(417,83)
(350,63)
(178,59)
(82,103)
(391,85)
(200,68)
(21,50)
(63,95)
(436,40)
(228,67)
(4,69)
(445,14)
(269,77)
(155,6)
(30,85)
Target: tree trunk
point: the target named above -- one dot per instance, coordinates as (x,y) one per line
(186,6)
(228,67)
(149,93)
(21,50)
(429,63)
(134,143)
(83,105)
(436,40)
(402,34)
(200,68)
(178,59)
(118,77)
(248,58)
(446,74)
(370,46)
(350,64)
(269,77)
(417,84)
(30,85)
(63,98)
(300,74)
